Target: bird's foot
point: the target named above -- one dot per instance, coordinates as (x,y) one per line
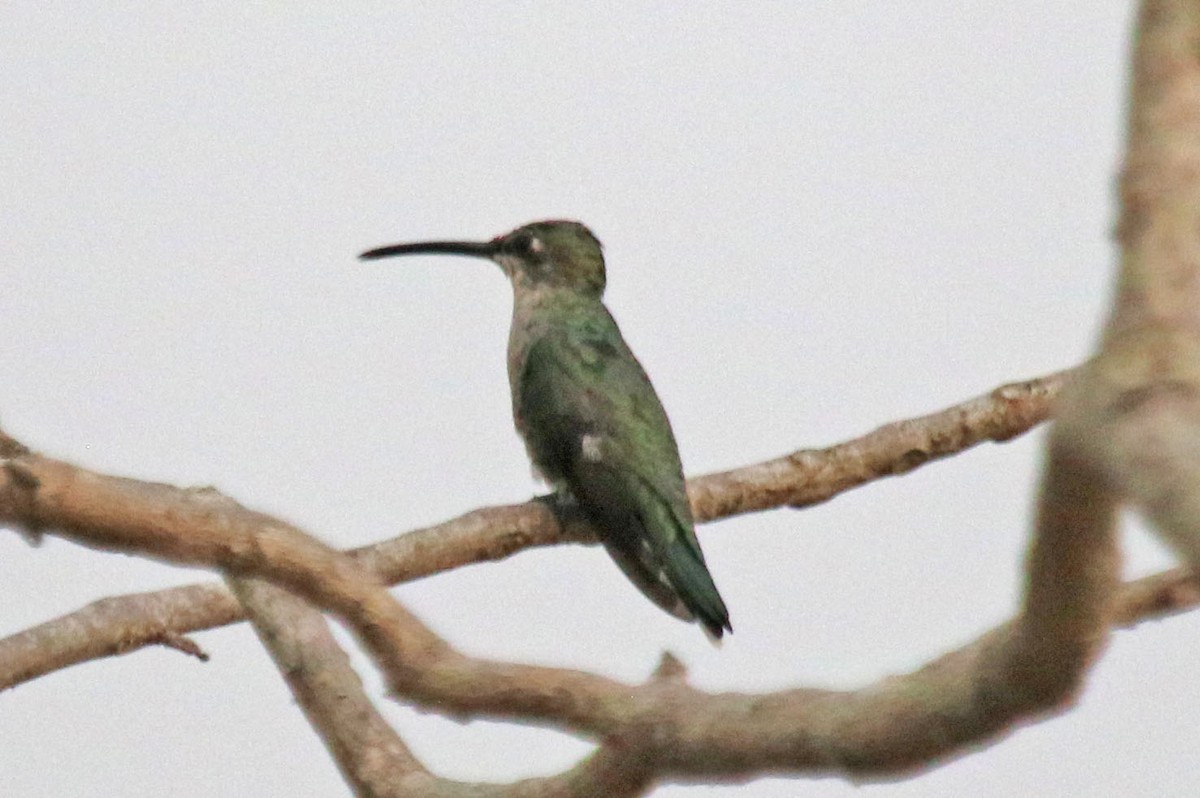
(565,507)
(561,502)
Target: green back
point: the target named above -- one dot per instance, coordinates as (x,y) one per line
(593,422)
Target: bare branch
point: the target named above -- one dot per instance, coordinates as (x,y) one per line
(1128,425)
(970,695)
(1072,576)
(121,624)
(1136,413)
(811,476)
(113,626)
(1161,595)
(372,757)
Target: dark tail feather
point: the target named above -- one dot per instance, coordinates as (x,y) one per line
(654,545)
(651,582)
(696,589)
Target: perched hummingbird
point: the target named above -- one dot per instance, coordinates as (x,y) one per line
(591,420)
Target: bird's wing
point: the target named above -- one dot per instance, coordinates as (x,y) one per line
(590,410)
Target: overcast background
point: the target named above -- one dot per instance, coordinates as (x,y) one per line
(818,217)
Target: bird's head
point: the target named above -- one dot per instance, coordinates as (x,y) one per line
(555,253)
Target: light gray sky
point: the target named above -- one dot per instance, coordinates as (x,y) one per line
(818,217)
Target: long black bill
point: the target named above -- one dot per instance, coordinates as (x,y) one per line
(478,249)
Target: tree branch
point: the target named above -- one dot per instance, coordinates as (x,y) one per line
(122,624)
(1135,412)
(970,695)
(372,757)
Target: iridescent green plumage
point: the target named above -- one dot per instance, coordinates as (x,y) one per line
(591,420)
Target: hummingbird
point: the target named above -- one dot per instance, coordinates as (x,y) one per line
(592,423)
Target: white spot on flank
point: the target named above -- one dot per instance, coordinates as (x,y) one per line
(589,445)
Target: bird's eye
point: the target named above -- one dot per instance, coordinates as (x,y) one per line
(526,244)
